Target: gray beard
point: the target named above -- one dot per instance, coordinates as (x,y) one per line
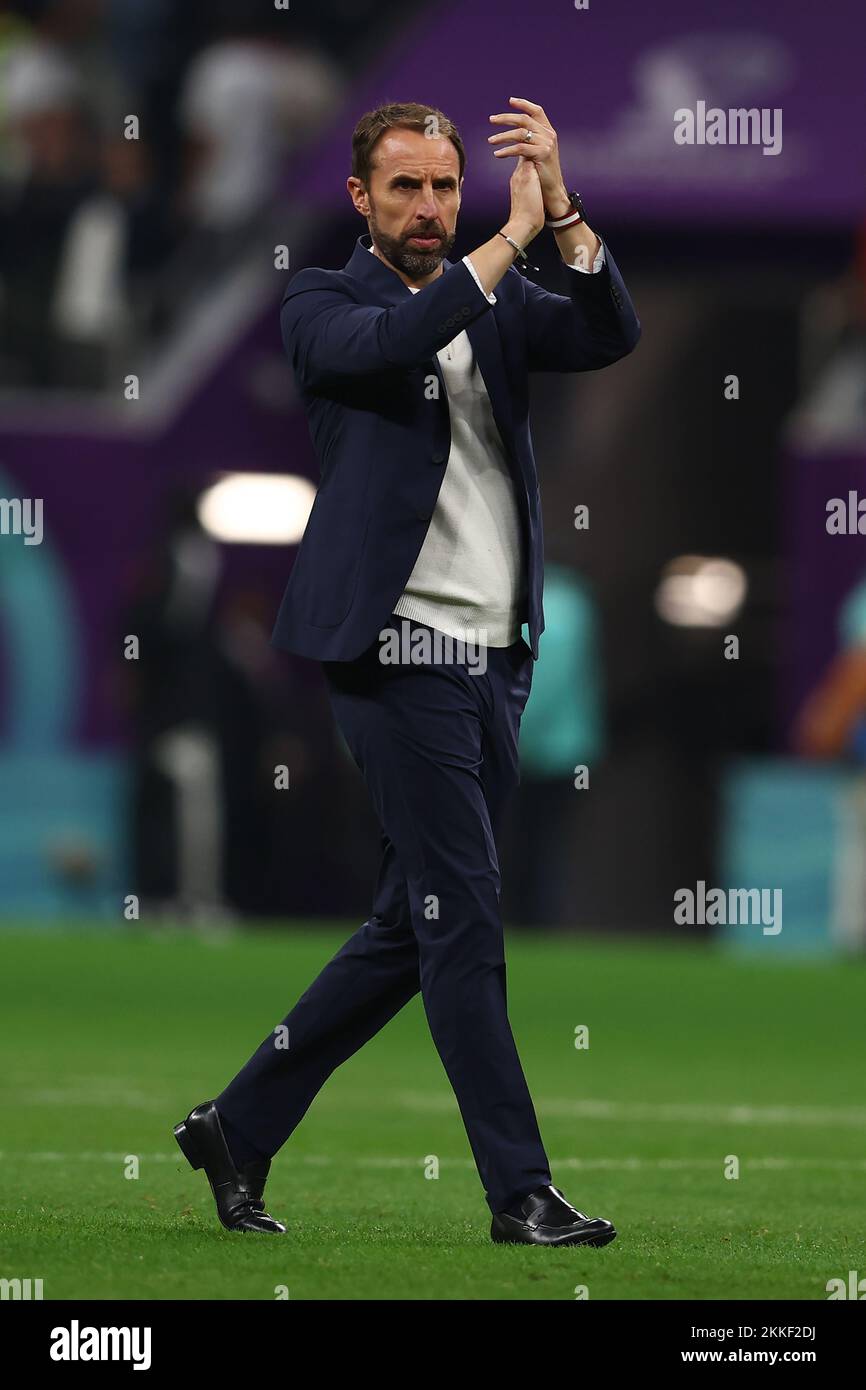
(415,264)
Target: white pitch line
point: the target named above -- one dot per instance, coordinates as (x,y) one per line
(77,1098)
(853,1117)
(557,1107)
(325,1160)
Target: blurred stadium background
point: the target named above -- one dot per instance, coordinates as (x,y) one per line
(154,159)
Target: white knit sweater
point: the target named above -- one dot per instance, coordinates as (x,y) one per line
(469,579)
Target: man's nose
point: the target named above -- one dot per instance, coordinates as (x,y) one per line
(426,207)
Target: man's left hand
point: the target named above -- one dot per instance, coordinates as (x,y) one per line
(543,150)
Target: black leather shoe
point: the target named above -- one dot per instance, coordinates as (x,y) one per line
(238,1191)
(546,1218)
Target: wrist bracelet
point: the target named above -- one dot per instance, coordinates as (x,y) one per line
(571,219)
(575,214)
(521,255)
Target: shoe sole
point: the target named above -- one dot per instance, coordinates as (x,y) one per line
(597,1241)
(602,1240)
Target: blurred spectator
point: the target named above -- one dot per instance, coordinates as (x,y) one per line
(75,31)
(213,711)
(83,232)
(248,100)
(833,370)
(15,33)
(561,730)
(56,153)
(153,43)
(107,240)
(171,688)
(832,723)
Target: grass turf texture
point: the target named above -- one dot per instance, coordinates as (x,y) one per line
(111,1039)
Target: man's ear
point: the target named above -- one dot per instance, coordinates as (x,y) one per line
(358,194)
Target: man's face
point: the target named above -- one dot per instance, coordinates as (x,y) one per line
(411,201)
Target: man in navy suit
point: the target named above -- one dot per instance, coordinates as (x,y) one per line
(421,561)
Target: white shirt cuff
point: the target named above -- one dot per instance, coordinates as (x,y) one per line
(596,265)
(491,298)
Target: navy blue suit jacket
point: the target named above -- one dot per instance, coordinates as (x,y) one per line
(363,348)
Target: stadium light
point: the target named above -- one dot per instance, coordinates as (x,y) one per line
(257,508)
(700,591)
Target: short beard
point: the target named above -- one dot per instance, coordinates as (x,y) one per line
(416,264)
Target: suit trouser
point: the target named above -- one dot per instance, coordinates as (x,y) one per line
(437,747)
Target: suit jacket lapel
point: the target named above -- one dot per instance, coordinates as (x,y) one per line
(387,288)
(487,345)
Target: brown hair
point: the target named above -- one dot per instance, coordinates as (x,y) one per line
(399,115)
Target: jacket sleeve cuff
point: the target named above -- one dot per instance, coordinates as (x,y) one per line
(491,298)
(596,265)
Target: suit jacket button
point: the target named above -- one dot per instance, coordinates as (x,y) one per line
(424,516)
(439,458)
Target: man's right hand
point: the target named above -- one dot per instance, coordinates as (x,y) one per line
(526,220)
(527,203)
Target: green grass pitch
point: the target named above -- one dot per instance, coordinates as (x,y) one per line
(693,1056)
